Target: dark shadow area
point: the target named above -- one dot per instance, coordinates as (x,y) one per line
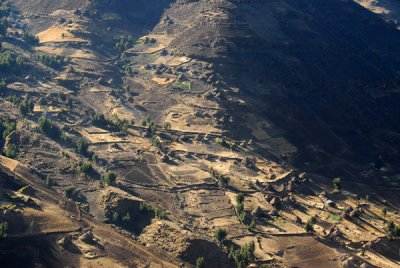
(26,252)
(327,79)
(212,254)
(125,17)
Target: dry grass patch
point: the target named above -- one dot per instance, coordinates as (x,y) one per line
(163,81)
(60,33)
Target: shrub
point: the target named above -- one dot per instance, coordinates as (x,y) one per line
(115,217)
(158,213)
(3,84)
(392,230)
(49,181)
(200,262)
(11,151)
(51,61)
(64,137)
(384,211)
(30,39)
(146,208)
(69,190)
(85,167)
(252,225)
(223,180)
(25,190)
(243,255)
(309,225)
(6,61)
(152,128)
(3,229)
(337,183)
(48,127)
(99,120)
(240,198)
(110,178)
(220,235)
(167,126)
(26,106)
(82,147)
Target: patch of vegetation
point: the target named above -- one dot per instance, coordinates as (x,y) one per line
(3,229)
(220,235)
(26,106)
(156,142)
(152,128)
(121,125)
(243,255)
(200,262)
(6,127)
(25,190)
(222,180)
(64,137)
(309,225)
(69,190)
(82,147)
(6,61)
(392,230)
(30,39)
(11,151)
(85,167)
(167,126)
(384,211)
(146,208)
(51,61)
(110,178)
(337,183)
(335,217)
(48,128)
(49,181)
(123,43)
(241,213)
(183,85)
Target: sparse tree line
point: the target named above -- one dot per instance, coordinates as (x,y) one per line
(116,125)
(240,255)
(6,127)
(50,60)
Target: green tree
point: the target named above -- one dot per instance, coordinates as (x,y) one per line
(220,235)
(82,147)
(337,183)
(384,211)
(110,178)
(3,229)
(48,127)
(85,167)
(200,262)
(69,190)
(49,181)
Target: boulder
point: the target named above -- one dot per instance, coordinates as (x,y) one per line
(258,212)
(164,158)
(87,237)
(276,202)
(350,262)
(273,213)
(248,162)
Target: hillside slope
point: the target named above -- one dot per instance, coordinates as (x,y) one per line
(230,132)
